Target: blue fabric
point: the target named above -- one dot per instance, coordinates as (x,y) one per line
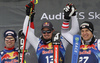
(89,53)
(7,56)
(45,53)
(76,47)
(0,58)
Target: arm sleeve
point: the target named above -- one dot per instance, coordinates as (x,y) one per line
(74,26)
(98,44)
(27,45)
(31,38)
(68,34)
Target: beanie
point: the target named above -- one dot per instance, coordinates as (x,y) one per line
(88,25)
(10,33)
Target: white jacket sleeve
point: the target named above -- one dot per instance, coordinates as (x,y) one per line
(27,45)
(74,26)
(31,38)
(68,34)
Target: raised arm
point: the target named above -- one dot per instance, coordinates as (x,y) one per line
(74,25)
(31,38)
(70,14)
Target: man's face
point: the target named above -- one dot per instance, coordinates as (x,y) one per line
(9,41)
(47,34)
(86,34)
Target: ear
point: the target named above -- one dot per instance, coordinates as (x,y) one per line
(53,30)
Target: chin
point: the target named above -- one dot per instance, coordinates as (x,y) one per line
(86,39)
(47,38)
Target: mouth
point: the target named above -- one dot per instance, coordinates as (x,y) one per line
(85,37)
(46,36)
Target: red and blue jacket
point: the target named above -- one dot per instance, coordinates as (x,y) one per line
(9,55)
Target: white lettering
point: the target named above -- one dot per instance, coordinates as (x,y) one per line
(81,15)
(97,16)
(91,15)
(76,47)
(44,16)
(62,15)
(58,16)
(21,43)
(56,55)
(51,17)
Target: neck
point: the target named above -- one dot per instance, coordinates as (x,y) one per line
(9,48)
(89,40)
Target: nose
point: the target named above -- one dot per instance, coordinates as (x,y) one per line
(84,32)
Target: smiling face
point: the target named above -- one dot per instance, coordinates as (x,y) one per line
(9,41)
(47,34)
(86,34)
